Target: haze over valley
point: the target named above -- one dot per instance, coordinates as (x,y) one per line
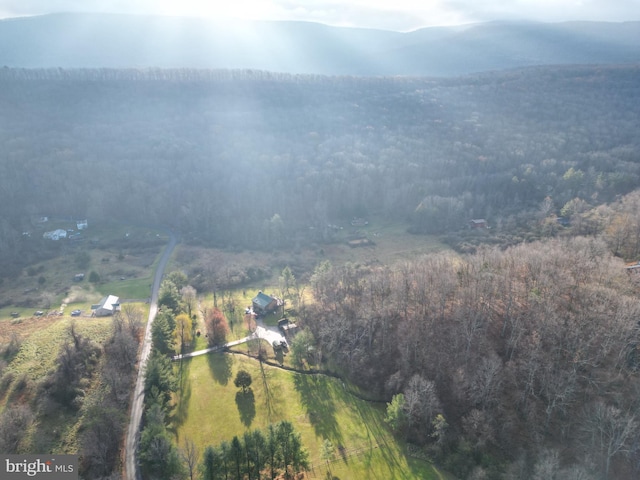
(437,230)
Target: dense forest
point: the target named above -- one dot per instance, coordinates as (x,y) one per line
(516,364)
(262,160)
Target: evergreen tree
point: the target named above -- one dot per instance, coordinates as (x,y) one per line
(159,381)
(162,331)
(211,467)
(236,454)
(169,296)
(159,458)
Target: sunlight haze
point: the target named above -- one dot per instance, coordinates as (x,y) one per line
(400,15)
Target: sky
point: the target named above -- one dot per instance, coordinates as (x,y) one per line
(399,15)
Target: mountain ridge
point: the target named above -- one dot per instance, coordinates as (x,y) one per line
(131,41)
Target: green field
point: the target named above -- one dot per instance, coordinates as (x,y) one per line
(210,409)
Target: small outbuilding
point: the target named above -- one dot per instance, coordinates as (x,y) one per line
(287,327)
(55,234)
(478,223)
(107,306)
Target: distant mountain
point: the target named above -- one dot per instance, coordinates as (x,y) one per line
(126,41)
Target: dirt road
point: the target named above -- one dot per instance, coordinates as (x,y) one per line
(132,472)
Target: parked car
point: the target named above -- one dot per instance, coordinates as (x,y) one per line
(76,313)
(38,313)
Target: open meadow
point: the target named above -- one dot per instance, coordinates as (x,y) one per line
(242,273)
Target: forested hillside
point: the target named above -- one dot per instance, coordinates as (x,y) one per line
(515,356)
(261,160)
(516,364)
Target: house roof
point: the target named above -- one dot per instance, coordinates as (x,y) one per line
(110,302)
(55,234)
(262,300)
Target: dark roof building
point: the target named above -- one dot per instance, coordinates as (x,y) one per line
(478,223)
(263,303)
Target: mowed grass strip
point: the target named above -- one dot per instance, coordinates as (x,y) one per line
(210,409)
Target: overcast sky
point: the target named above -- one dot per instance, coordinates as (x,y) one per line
(402,15)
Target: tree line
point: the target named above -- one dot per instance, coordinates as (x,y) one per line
(275,453)
(173,330)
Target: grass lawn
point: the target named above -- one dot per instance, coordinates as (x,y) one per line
(133,288)
(210,409)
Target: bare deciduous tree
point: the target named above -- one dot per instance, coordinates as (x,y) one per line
(611,432)
(190,455)
(133,316)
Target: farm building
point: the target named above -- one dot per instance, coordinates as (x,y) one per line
(107,306)
(55,234)
(478,223)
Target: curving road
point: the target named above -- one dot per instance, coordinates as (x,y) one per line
(133,433)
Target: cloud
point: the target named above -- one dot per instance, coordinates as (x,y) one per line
(398,15)
(385,14)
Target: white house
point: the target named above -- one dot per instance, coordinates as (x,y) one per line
(81,224)
(55,234)
(107,306)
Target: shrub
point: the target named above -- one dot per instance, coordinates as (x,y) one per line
(21,384)
(83,259)
(9,350)
(5,382)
